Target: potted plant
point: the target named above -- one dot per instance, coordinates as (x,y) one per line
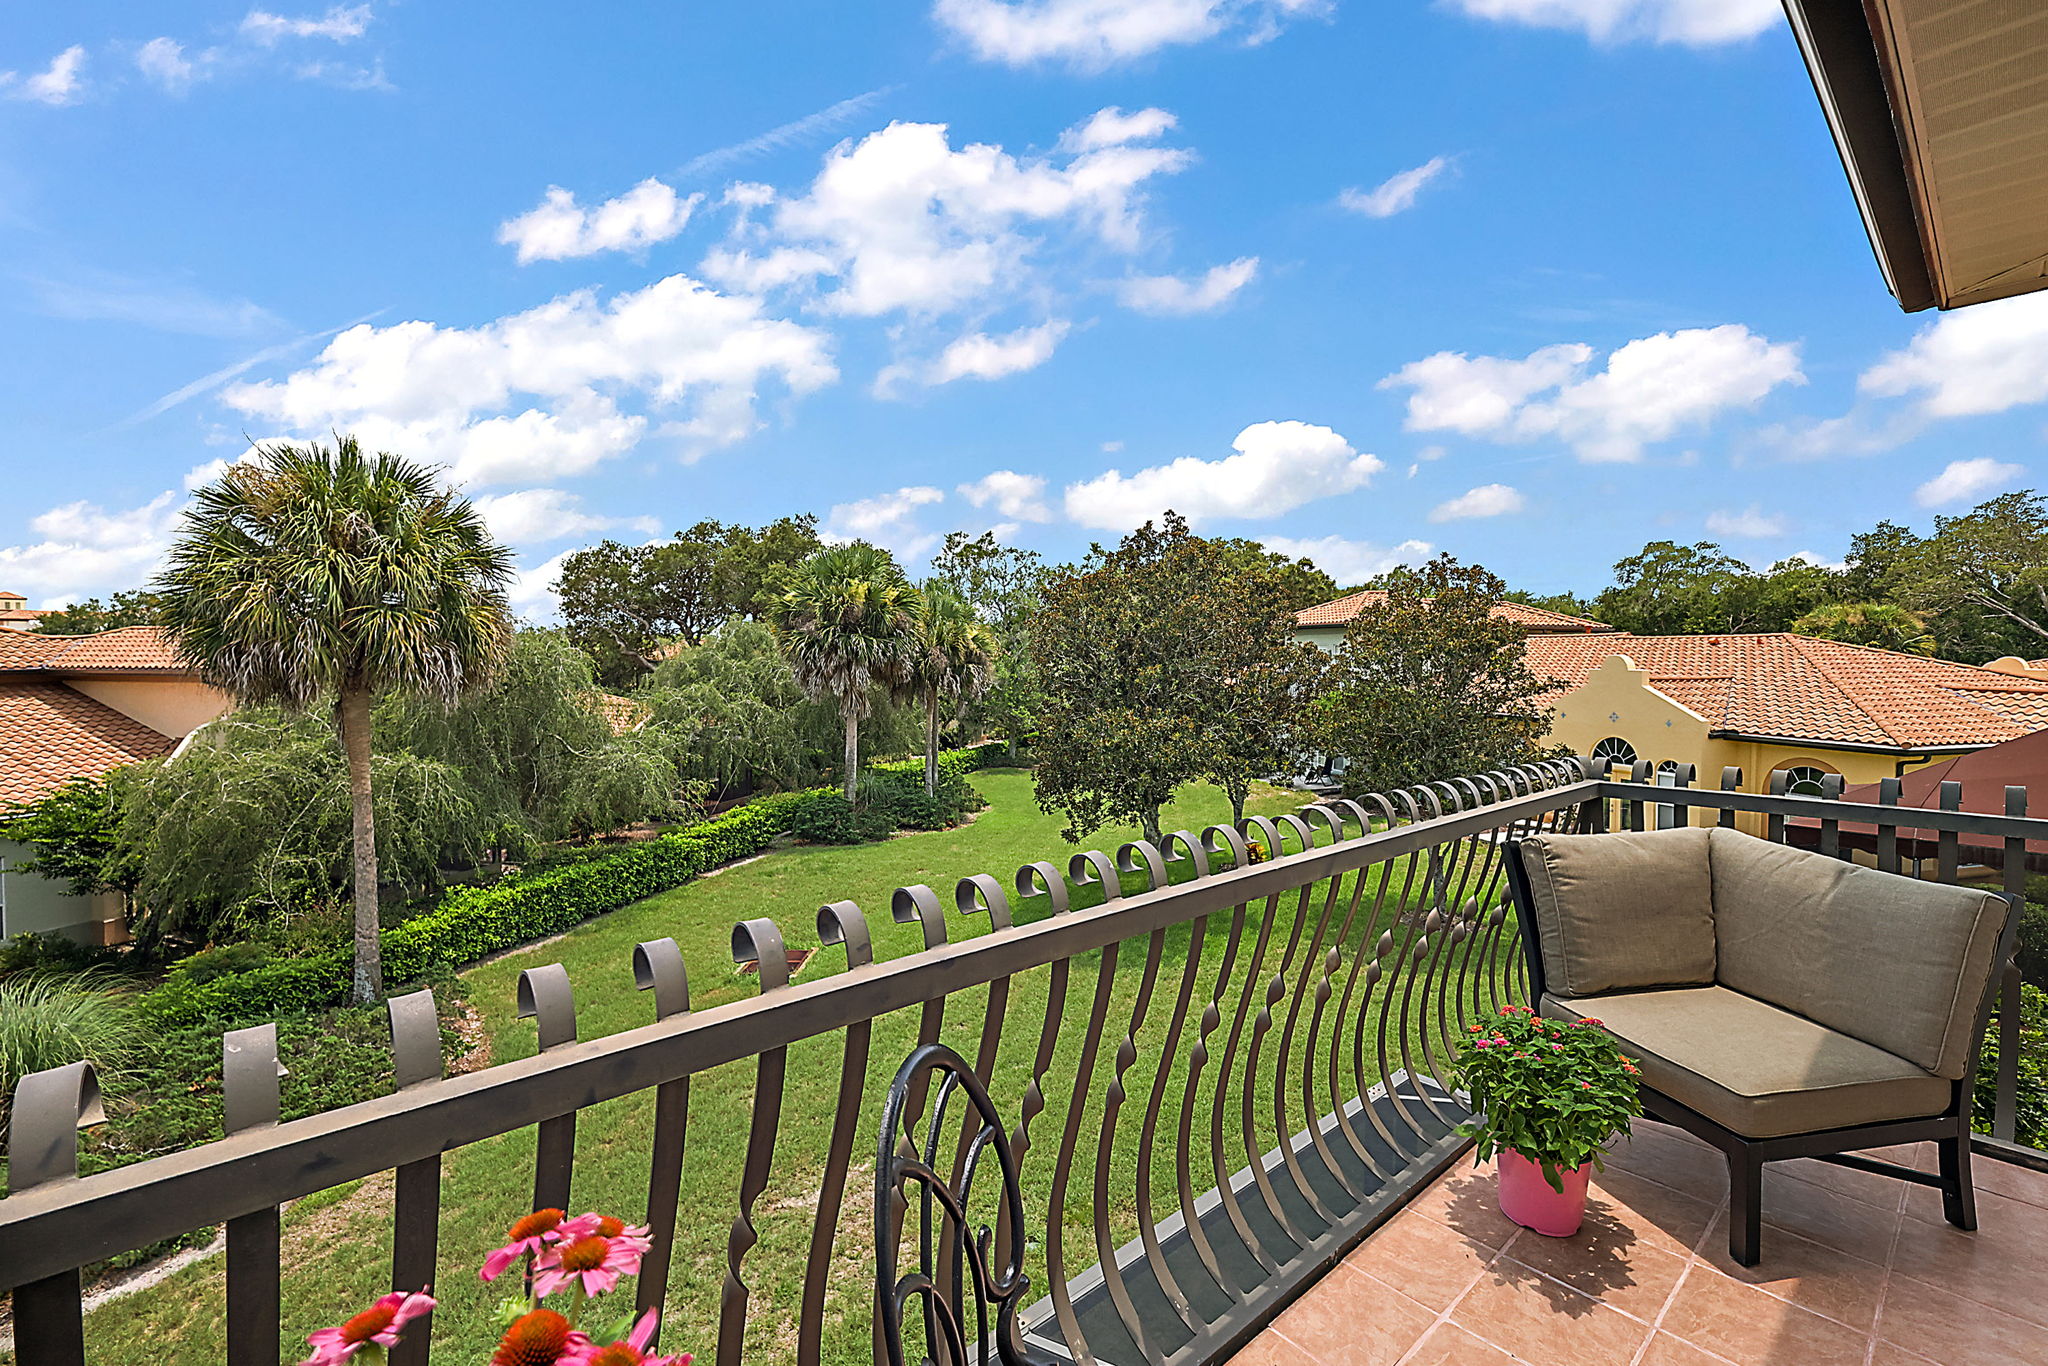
(1548,1096)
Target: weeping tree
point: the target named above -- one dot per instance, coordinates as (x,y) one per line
(311,575)
(954,661)
(847,618)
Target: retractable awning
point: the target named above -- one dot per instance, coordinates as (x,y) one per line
(1940,110)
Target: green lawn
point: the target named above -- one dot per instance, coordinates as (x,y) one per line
(337,1248)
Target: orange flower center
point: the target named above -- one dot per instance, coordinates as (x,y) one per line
(609,1227)
(368,1324)
(585,1254)
(535,1339)
(533,1225)
(618,1354)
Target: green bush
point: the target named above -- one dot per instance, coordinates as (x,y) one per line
(2033,945)
(822,817)
(53,953)
(225,961)
(2032,1126)
(50,1019)
(904,800)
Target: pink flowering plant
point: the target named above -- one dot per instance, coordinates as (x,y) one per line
(581,1259)
(1555,1091)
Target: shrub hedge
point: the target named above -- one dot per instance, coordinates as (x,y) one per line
(474,922)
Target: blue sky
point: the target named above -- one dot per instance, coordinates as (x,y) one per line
(1530,281)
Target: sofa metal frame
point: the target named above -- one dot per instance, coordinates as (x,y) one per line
(1950,1130)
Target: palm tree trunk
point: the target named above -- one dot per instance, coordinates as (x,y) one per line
(352,718)
(931,742)
(852,754)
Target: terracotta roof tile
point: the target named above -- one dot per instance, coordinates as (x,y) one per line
(50,735)
(131,649)
(1802,688)
(1536,619)
(623,714)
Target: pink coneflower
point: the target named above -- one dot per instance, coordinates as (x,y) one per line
(539,1338)
(377,1327)
(525,1238)
(632,1351)
(591,1262)
(604,1226)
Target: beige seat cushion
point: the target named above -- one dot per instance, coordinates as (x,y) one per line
(1755,1069)
(1624,910)
(1890,960)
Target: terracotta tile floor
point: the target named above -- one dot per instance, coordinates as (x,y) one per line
(1857,1270)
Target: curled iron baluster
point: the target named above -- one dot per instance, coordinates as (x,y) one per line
(1218,839)
(758,942)
(839,923)
(994,1262)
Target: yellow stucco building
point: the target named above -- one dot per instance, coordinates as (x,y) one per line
(1762,703)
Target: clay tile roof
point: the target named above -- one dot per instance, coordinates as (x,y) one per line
(50,735)
(131,649)
(1532,619)
(623,714)
(1800,688)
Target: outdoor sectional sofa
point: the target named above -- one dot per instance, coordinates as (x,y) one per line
(1781,1003)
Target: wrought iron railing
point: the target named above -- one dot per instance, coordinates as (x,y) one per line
(1221,1064)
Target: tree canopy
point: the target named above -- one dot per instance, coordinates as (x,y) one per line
(136,607)
(627,605)
(1163,661)
(1429,684)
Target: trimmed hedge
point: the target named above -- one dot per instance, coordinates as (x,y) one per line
(475,922)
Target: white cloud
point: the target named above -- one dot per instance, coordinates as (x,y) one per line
(1752,523)
(696,357)
(1170,294)
(1960,480)
(1020,497)
(1349,561)
(902,221)
(1818,561)
(537,516)
(1649,390)
(1488,500)
(1983,359)
(1278,467)
(980,356)
(339,24)
(888,520)
(61,82)
(783,135)
(86,549)
(1694,23)
(163,61)
(532,589)
(1094,34)
(558,227)
(1112,127)
(1397,192)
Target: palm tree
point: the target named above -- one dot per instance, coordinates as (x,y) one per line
(305,574)
(847,619)
(1884,624)
(956,654)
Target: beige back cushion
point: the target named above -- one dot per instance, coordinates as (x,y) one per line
(1895,962)
(1616,912)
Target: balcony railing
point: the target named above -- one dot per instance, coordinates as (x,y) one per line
(1222,1063)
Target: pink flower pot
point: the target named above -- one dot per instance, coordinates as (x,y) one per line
(1527,1198)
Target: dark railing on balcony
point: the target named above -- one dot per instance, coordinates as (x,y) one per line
(1220,1064)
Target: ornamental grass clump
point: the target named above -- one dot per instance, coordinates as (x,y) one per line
(1555,1091)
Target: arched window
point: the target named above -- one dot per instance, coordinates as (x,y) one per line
(1614,750)
(1804,780)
